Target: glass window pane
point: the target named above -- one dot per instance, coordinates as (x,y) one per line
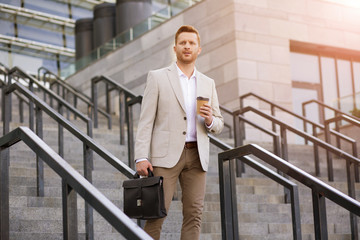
(31,64)
(78,12)
(7,28)
(345,85)
(329,84)
(40,35)
(4,58)
(16,3)
(50,7)
(70,42)
(356,68)
(345,82)
(304,68)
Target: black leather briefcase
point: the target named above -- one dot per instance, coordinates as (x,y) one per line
(144,197)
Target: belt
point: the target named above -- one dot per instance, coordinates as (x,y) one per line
(189,145)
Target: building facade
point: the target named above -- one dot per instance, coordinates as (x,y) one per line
(285,51)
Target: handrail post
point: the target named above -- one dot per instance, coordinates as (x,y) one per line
(108,98)
(319,211)
(351,191)
(7,111)
(75,105)
(4,194)
(304,123)
(39,163)
(329,154)
(31,107)
(284,145)
(89,220)
(285,156)
(295,213)
(316,154)
(21,110)
(2,101)
(277,147)
(94,96)
(272,107)
(228,201)
(355,154)
(60,133)
(337,128)
(122,116)
(70,219)
(239,136)
(9,102)
(130,130)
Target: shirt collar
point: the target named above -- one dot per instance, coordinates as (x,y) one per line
(181,74)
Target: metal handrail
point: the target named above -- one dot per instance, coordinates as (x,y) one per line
(67,88)
(3,70)
(325,106)
(320,191)
(72,184)
(336,111)
(125,112)
(89,144)
(328,138)
(227,180)
(239,142)
(273,106)
(351,161)
(283,127)
(18,72)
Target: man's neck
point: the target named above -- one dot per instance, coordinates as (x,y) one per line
(187,69)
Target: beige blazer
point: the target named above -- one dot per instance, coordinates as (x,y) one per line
(162,126)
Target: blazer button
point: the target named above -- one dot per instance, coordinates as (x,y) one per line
(184,118)
(184,133)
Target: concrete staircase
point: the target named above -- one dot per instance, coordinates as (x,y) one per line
(262,211)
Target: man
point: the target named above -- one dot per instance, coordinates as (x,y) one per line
(172,139)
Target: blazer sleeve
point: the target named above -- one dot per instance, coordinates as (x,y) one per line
(218,120)
(147,117)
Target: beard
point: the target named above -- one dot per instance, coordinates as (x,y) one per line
(181,57)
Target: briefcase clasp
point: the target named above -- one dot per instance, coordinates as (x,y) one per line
(138,202)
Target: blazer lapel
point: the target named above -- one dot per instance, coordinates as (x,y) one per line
(175,84)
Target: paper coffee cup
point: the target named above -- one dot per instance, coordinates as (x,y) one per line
(200,101)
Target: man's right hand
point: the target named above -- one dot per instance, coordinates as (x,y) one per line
(142,167)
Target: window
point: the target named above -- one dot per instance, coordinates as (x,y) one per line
(334,74)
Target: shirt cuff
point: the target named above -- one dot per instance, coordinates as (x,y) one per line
(211,124)
(140,160)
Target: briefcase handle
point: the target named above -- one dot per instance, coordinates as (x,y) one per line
(150,174)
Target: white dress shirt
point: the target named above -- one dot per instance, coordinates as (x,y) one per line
(188,86)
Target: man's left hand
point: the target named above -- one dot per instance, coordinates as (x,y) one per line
(206,113)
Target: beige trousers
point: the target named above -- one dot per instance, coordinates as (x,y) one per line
(192,181)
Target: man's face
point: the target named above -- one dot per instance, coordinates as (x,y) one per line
(187,47)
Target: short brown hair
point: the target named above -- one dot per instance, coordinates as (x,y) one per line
(187,28)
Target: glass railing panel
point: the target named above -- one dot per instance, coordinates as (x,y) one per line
(123,38)
(141,28)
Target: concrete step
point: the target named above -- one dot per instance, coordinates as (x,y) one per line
(262,211)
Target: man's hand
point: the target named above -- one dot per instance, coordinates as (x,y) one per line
(206,112)
(142,168)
